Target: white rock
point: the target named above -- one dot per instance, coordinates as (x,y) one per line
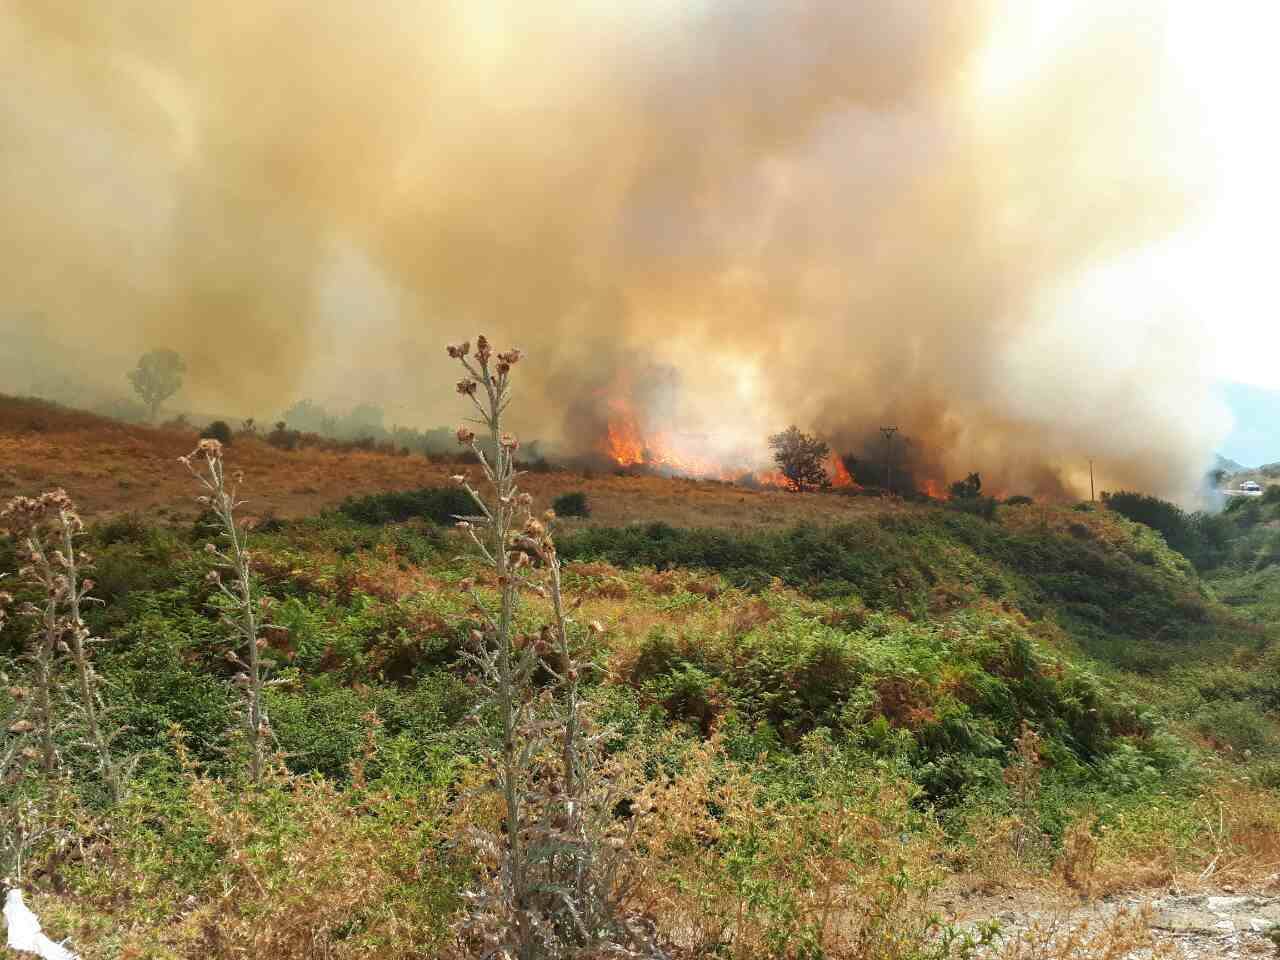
(25,933)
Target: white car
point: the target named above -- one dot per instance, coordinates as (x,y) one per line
(1251,486)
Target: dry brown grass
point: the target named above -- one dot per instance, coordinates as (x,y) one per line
(110,468)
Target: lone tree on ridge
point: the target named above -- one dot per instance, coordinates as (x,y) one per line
(157,377)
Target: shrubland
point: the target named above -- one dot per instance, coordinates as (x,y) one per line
(795,736)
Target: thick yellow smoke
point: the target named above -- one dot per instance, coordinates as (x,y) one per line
(836,213)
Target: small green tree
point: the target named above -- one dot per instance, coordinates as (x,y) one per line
(801,458)
(157,377)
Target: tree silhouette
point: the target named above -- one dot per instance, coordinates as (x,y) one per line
(970,488)
(157,377)
(801,458)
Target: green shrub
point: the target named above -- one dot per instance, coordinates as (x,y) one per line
(572,504)
(218,430)
(984,507)
(163,672)
(440,505)
(1201,538)
(125,528)
(1239,725)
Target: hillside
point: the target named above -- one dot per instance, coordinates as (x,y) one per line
(842,710)
(111,467)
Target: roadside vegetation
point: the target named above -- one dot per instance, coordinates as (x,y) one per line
(359,733)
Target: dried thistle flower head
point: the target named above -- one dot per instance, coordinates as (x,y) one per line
(510,442)
(466,386)
(459,350)
(466,435)
(483,349)
(21,515)
(511,357)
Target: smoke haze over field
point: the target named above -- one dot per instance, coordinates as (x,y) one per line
(942,214)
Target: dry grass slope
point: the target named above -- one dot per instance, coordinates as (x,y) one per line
(110,467)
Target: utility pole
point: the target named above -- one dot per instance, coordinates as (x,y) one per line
(887,433)
(1092,498)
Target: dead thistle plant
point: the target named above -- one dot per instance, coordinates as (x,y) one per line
(240,615)
(1022,776)
(47,529)
(559,866)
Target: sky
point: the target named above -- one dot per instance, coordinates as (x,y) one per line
(1255,436)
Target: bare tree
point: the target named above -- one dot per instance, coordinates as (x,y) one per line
(157,377)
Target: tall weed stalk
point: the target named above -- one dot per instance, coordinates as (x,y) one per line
(560,865)
(47,530)
(240,614)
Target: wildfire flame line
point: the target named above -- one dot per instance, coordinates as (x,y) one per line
(628,446)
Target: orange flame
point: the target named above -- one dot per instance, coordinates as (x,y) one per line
(627,445)
(839,475)
(932,489)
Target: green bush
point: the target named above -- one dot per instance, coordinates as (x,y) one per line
(322,726)
(1238,724)
(984,507)
(572,504)
(218,430)
(165,669)
(440,505)
(1201,538)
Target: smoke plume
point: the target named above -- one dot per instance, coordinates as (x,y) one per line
(837,213)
